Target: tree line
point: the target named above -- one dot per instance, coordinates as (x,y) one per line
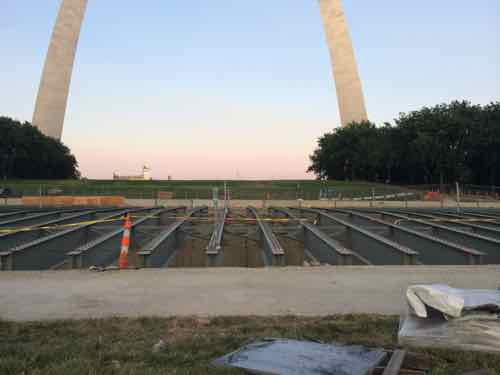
(27,153)
(447,143)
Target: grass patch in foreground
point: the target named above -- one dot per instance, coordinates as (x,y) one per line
(122,346)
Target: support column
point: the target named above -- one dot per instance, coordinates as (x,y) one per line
(52,99)
(349,89)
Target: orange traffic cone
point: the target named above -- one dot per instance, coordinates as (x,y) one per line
(127,226)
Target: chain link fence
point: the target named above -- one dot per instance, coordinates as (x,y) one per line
(307,192)
(252,191)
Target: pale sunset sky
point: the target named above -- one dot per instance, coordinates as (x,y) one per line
(239,89)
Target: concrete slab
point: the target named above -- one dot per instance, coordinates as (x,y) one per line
(243,203)
(316,291)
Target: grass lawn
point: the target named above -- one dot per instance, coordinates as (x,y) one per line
(201,189)
(124,346)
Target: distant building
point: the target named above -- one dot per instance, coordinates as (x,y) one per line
(146,176)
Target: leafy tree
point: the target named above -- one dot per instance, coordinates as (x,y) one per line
(484,160)
(441,144)
(343,153)
(27,153)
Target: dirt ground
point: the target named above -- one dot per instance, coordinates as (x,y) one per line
(307,291)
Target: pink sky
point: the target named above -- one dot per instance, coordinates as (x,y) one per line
(264,145)
(228,89)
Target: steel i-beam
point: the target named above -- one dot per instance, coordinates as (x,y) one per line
(213,252)
(161,249)
(323,247)
(274,254)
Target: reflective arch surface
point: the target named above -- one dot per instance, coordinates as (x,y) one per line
(52,98)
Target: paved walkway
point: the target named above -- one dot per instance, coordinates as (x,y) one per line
(300,291)
(448,203)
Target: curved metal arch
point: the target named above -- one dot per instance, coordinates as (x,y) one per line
(53,92)
(51,103)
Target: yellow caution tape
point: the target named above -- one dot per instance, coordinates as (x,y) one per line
(176,218)
(228,220)
(79,224)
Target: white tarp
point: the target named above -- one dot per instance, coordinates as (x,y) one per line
(450,301)
(441,316)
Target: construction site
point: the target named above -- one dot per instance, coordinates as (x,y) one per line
(266,232)
(63,238)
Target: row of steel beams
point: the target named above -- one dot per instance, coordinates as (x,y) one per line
(483,213)
(483,239)
(485,220)
(50,250)
(15,212)
(342,237)
(323,248)
(467,211)
(488,219)
(490,212)
(162,248)
(375,248)
(12,239)
(274,254)
(430,249)
(33,219)
(462,214)
(214,247)
(459,222)
(105,249)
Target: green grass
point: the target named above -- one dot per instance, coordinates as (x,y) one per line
(202,189)
(121,346)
